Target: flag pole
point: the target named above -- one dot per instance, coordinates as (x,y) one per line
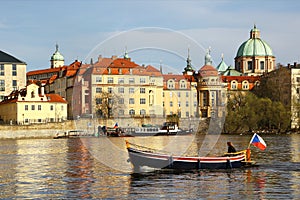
(251,140)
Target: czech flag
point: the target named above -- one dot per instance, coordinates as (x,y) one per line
(116,125)
(258,142)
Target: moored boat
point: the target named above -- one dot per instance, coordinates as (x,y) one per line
(140,158)
(168,128)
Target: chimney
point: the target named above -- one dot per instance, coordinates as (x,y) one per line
(295,64)
(99,58)
(42,91)
(289,66)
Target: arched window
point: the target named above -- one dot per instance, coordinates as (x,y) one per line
(143,112)
(131,112)
(171,84)
(234,85)
(182,84)
(245,85)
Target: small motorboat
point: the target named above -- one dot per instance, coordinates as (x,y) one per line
(148,158)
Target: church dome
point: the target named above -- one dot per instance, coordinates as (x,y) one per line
(208,70)
(254,46)
(57,56)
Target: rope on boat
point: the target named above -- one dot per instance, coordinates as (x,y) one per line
(147,149)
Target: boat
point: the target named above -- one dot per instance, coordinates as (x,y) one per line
(168,128)
(73,134)
(146,157)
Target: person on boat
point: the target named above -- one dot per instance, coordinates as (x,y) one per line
(231,148)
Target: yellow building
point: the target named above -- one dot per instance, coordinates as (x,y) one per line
(31,105)
(118,87)
(12,74)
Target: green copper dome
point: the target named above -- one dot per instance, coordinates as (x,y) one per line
(57,55)
(254,46)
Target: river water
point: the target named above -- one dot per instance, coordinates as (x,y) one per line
(98,168)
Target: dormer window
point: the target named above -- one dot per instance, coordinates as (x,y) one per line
(171,84)
(245,85)
(183,84)
(32,94)
(109,70)
(120,70)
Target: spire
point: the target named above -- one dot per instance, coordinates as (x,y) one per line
(126,53)
(188,69)
(160,67)
(56,47)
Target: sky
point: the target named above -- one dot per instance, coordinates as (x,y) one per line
(153,32)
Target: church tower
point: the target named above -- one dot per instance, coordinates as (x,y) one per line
(57,60)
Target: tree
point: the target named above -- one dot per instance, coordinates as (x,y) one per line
(106,104)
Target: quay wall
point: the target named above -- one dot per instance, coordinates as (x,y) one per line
(90,125)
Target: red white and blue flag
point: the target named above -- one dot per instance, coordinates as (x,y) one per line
(116,125)
(258,142)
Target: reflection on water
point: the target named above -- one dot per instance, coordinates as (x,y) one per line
(98,168)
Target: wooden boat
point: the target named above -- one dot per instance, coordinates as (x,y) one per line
(140,158)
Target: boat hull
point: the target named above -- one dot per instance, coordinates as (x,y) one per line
(162,161)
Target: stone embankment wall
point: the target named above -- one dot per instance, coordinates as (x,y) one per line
(49,130)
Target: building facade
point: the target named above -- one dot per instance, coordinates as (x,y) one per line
(12,74)
(31,105)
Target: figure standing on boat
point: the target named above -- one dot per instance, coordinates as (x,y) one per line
(231,148)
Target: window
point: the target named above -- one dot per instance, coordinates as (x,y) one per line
(187,114)
(131,100)
(98,100)
(298,79)
(179,104)
(249,65)
(51,107)
(2,85)
(143,112)
(171,84)
(98,90)
(121,101)
(14,69)
(298,90)
(142,90)
(187,94)
(120,90)
(178,94)
(245,85)
(187,104)
(142,80)
(121,80)
(110,90)
(121,112)
(62,107)
(14,84)
(110,80)
(39,107)
(26,107)
(262,65)
(32,107)
(233,85)
(131,90)
(142,101)
(131,112)
(98,79)
(182,84)
(131,81)
(2,70)
(171,103)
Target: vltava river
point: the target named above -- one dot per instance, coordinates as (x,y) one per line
(98,168)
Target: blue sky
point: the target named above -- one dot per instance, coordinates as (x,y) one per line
(30,29)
